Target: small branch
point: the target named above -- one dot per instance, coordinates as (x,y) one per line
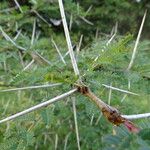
(43,104)
(76,123)
(75,67)
(31,87)
(137,42)
(120,90)
(96,100)
(136,116)
(111,113)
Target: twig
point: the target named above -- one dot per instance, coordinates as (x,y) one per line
(58,52)
(43,104)
(76,123)
(111,113)
(31,87)
(121,90)
(136,116)
(75,67)
(137,42)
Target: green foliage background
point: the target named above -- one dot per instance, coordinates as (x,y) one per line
(98,62)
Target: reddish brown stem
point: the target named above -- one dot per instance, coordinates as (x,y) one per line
(111,113)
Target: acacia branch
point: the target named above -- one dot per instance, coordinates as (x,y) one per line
(111,113)
(105,108)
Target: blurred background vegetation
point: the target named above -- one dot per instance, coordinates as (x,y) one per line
(99,63)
